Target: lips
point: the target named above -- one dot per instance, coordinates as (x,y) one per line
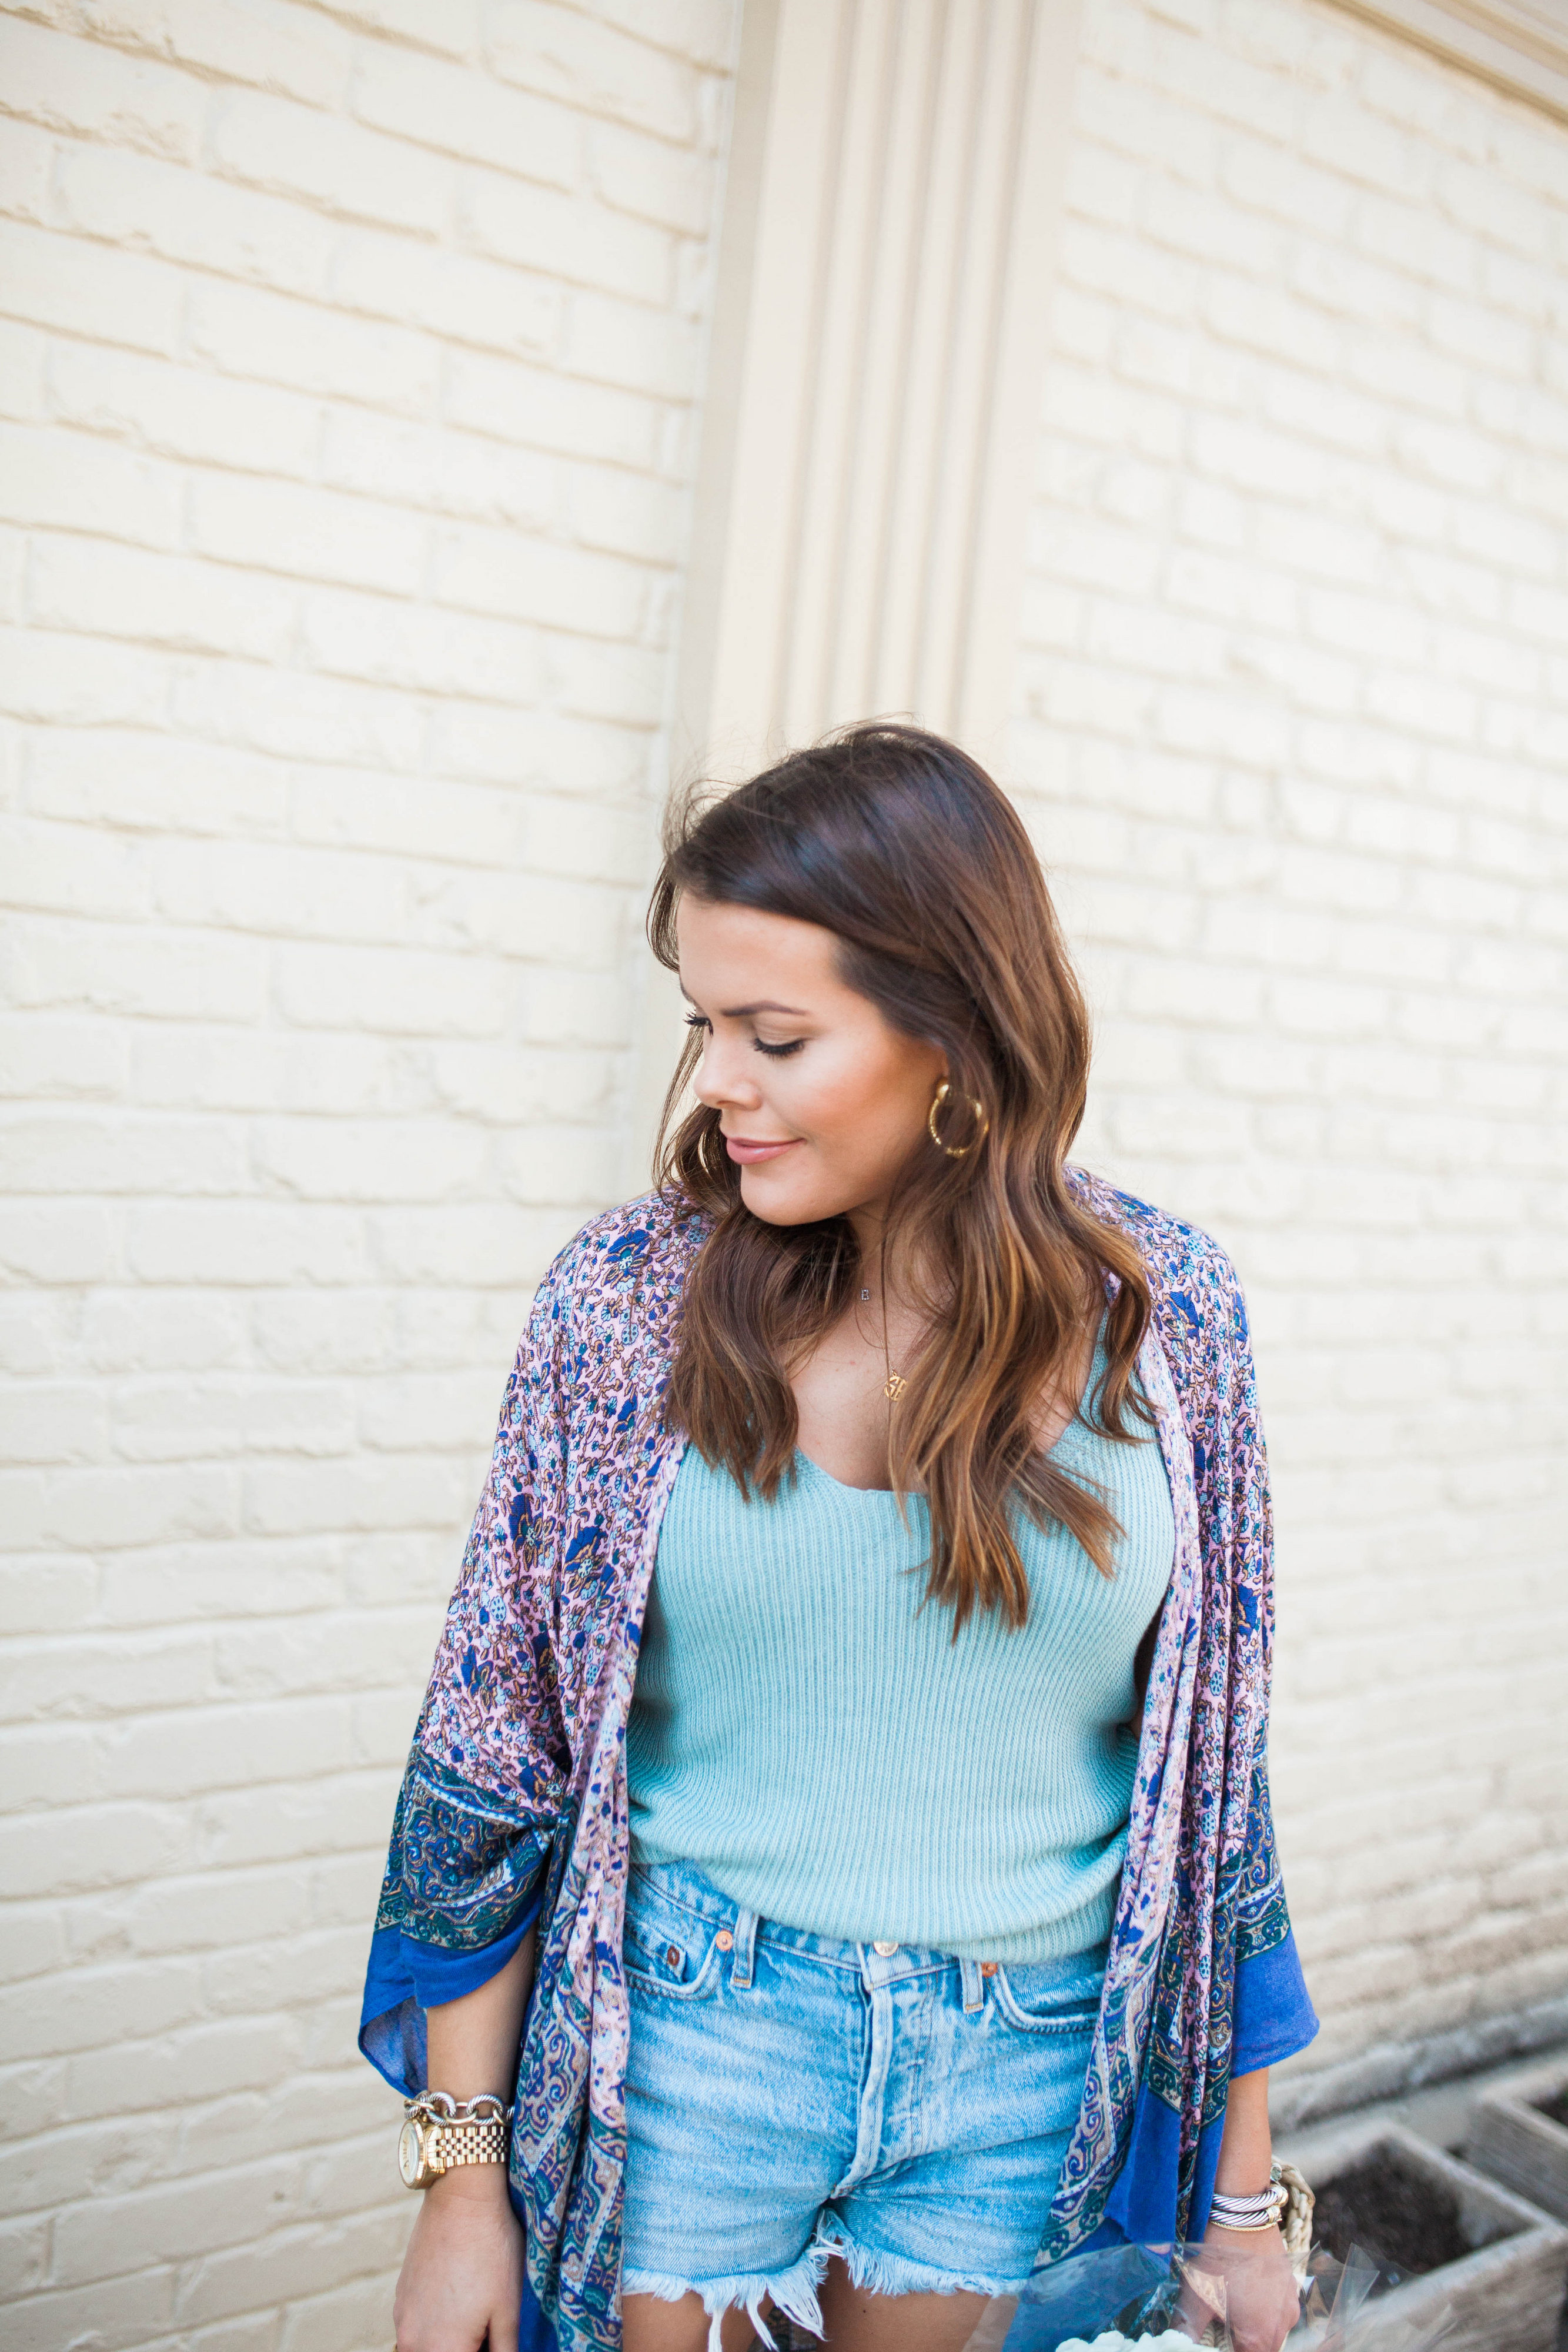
(751,1154)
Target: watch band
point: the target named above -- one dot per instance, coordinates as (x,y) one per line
(471,2141)
(441,2133)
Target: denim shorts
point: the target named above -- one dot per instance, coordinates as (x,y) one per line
(790,2097)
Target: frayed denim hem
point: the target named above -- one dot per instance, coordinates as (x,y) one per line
(880,2273)
(794,2291)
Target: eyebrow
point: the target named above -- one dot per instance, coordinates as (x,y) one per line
(744,1011)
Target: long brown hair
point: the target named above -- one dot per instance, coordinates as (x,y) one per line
(902,846)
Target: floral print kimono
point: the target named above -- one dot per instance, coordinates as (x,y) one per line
(514,1811)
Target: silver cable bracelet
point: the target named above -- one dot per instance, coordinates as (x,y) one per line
(1260,2212)
(486,2108)
(441,2134)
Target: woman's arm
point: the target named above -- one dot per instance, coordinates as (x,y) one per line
(471,2044)
(462,2277)
(1247,2146)
(1260,2304)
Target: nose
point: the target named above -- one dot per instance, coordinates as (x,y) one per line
(722,1081)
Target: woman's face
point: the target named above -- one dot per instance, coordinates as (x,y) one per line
(819,1100)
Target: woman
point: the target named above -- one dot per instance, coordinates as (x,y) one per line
(856,1685)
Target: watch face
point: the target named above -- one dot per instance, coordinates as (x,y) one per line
(410,2154)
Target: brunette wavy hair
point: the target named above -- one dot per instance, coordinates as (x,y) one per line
(898,844)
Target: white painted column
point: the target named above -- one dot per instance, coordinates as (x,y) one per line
(879,341)
(879,338)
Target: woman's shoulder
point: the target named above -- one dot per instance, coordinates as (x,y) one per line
(1193,1284)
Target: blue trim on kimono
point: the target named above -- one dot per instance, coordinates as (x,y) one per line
(405,1977)
(464,1881)
(1274,2019)
(535,2332)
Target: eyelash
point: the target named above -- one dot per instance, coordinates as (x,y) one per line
(774,1053)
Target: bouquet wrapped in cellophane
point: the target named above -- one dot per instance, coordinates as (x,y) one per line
(1135,2298)
(1143,2298)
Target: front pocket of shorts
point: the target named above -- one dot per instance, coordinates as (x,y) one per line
(1055,2007)
(669,1950)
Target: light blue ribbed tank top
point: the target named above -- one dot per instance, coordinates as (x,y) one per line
(817,1743)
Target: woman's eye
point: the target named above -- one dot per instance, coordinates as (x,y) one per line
(774,1053)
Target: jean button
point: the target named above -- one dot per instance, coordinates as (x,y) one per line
(725,1940)
(885,1951)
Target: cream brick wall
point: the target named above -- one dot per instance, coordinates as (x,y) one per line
(1292,721)
(347,366)
(348,362)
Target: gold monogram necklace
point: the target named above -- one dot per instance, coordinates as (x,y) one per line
(893,1388)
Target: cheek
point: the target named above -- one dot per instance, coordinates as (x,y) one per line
(860,1114)
(863,1109)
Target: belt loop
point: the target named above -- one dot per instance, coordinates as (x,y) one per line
(974,1990)
(740,1968)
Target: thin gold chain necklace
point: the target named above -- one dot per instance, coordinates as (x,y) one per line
(894,1385)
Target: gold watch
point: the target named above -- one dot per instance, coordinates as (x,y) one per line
(440,2132)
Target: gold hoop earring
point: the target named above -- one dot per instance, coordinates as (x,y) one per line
(982,1124)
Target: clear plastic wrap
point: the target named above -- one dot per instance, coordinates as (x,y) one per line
(1173,2299)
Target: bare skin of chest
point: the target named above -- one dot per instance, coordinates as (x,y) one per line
(841,1394)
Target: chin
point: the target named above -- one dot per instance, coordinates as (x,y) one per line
(777,1202)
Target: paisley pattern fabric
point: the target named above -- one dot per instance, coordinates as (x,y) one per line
(460,1864)
(1262,1921)
(517,1773)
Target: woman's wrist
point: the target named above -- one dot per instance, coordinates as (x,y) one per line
(470,2184)
(1246,2179)
(1245,2169)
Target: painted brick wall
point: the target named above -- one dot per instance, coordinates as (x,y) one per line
(1293,723)
(347,362)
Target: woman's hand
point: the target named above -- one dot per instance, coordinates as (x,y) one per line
(462,2277)
(1244,2277)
